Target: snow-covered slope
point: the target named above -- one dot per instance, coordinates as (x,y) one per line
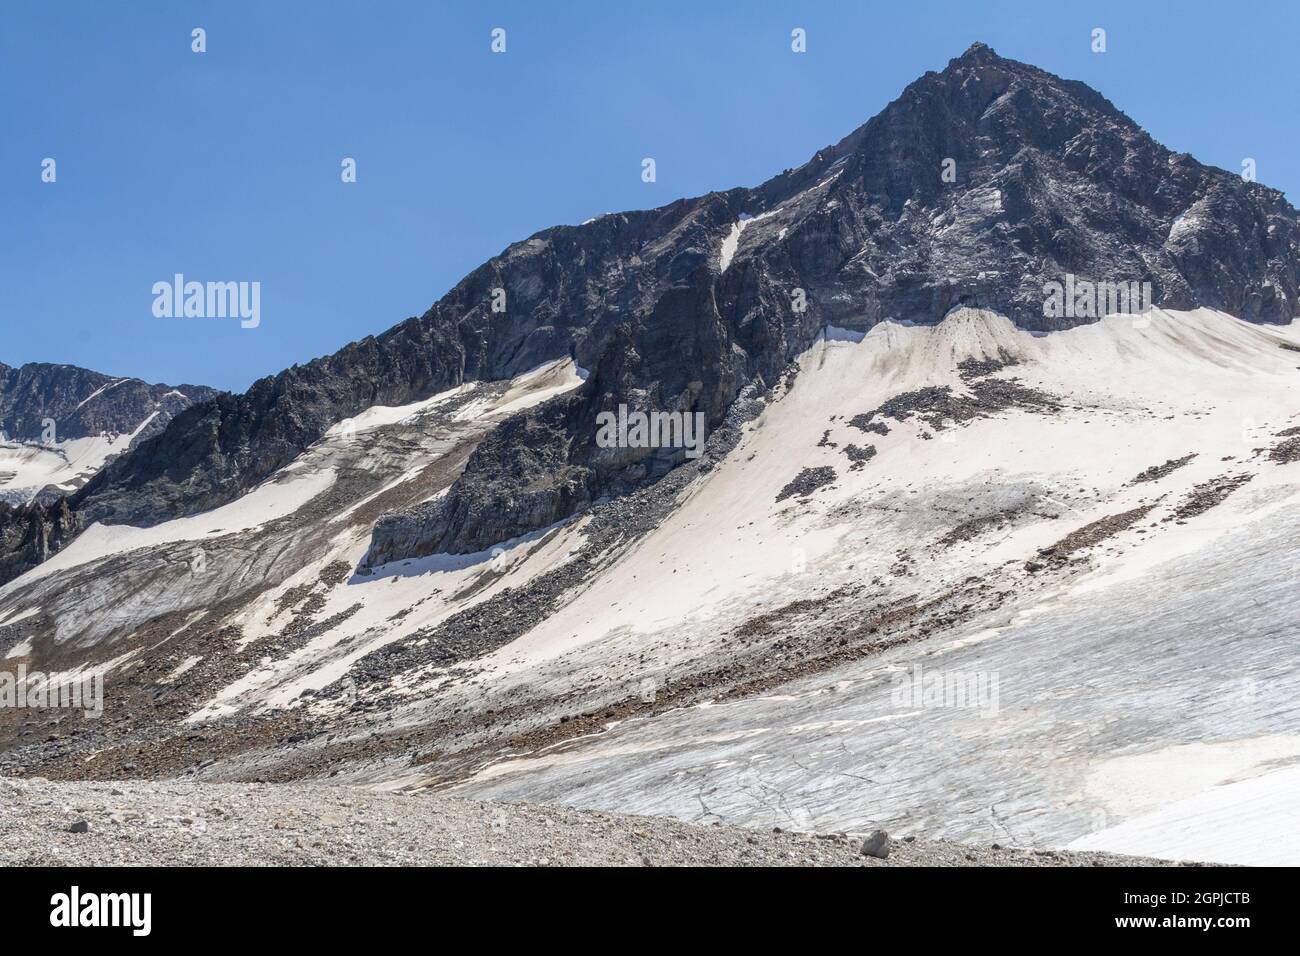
(1174,630)
(1090,531)
(28,468)
(315,511)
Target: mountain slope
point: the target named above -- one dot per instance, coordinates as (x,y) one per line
(1109,554)
(40,402)
(60,423)
(682,308)
(409,565)
(1057,512)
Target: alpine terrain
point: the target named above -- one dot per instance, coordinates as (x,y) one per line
(987,537)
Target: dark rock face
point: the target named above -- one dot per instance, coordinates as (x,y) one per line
(1050,180)
(81,403)
(679,309)
(31,533)
(520,478)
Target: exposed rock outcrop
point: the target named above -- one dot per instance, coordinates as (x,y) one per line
(29,534)
(38,399)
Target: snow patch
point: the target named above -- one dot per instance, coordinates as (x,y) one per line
(279,496)
(21,649)
(732,241)
(377,416)
(21,616)
(28,467)
(100,391)
(1226,802)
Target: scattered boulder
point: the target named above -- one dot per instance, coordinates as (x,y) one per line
(876,844)
(807,481)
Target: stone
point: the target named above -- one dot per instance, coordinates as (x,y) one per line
(876,845)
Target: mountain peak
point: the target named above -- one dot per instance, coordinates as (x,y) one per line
(979,55)
(983,61)
(978,51)
(982,185)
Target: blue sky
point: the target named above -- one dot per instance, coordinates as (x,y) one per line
(225,165)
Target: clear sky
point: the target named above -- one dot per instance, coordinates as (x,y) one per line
(225,165)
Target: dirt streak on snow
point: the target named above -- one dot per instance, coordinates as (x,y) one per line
(281,495)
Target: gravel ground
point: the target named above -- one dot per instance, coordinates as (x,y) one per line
(204,824)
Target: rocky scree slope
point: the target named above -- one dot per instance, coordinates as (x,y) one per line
(133,824)
(682,307)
